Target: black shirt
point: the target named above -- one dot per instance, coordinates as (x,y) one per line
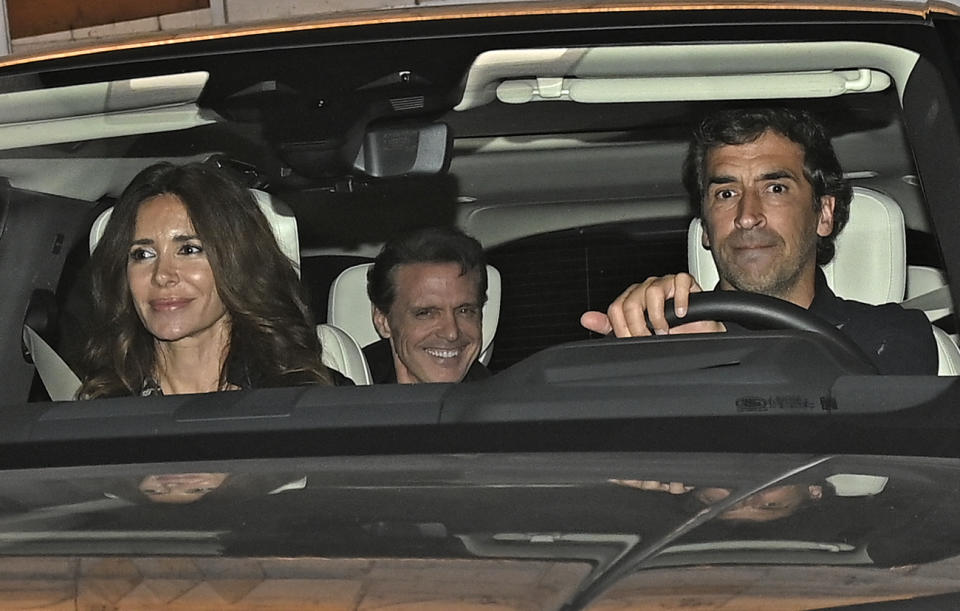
(241,378)
(380,359)
(898,341)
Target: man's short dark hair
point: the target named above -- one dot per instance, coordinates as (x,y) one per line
(820,164)
(427,245)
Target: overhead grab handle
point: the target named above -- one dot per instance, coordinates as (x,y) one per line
(602,90)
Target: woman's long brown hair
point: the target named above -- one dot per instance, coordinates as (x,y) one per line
(273,341)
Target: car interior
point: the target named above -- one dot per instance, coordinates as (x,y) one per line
(563,161)
(560,149)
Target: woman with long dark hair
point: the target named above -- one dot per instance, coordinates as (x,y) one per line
(191,293)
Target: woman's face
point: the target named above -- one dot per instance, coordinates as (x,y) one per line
(180,488)
(171,281)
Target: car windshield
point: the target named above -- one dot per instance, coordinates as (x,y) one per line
(562,464)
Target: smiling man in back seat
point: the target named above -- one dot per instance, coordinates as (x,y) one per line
(428,288)
(772,199)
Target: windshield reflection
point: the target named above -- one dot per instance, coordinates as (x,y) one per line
(180,488)
(564,509)
(774,503)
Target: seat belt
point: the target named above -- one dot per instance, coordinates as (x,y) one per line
(57,377)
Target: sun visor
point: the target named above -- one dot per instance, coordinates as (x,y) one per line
(670,73)
(102,110)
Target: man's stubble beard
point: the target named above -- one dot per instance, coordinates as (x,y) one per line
(780,277)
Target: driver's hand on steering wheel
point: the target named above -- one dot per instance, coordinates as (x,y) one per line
(629,313)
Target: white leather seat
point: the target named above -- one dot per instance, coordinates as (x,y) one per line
(350,309)
(923,283)
(343,353)
(60,382)
(870,264)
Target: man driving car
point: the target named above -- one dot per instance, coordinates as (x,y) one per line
(772,198)
(428,288)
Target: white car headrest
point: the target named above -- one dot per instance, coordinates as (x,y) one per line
(279,215)
(870,264)
(343,353)
(349,307)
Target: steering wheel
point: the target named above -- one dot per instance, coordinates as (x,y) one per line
(757,312)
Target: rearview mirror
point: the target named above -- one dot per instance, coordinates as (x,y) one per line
(404,149)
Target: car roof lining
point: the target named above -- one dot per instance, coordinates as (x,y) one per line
(57,168)
(88,179)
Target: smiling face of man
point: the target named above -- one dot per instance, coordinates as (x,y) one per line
(435,322)
(180,488)
(762,220)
